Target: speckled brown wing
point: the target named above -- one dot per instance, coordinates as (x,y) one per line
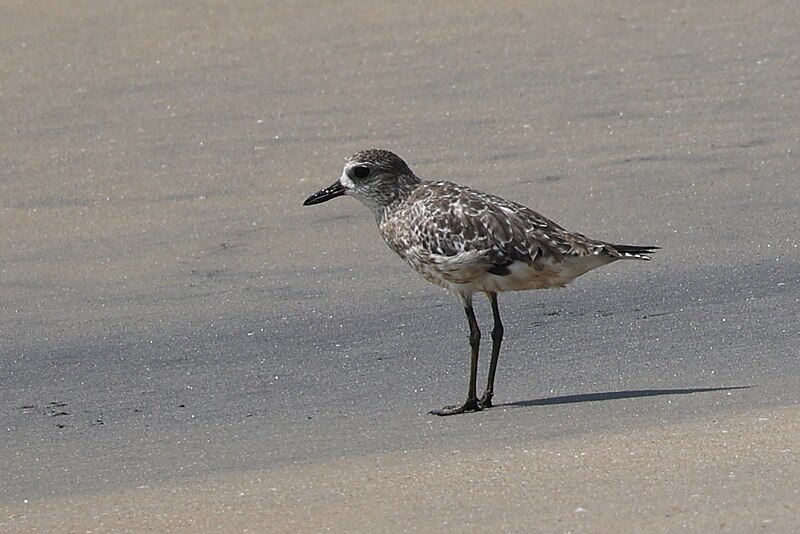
(448,219)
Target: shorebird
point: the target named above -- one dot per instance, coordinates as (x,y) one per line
(469,242)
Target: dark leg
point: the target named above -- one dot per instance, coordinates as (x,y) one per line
(474,342)
(497,339)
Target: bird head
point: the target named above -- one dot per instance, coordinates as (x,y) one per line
(375,177)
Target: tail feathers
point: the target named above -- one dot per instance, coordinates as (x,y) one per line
(634,252)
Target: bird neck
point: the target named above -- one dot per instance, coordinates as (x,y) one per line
(403,188)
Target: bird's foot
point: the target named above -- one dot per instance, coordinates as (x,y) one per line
(472,405)
(486,401)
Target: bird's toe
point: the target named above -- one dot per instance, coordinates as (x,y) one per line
(472,405)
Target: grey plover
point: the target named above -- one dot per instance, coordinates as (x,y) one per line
(469,242)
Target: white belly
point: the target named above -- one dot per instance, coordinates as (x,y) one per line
(463,274)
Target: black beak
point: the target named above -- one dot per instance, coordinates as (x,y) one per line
(336,190)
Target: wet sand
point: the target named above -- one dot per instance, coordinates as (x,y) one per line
(174,319)
(736,474)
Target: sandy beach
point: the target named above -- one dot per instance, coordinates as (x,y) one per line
(186,348)
(709,476)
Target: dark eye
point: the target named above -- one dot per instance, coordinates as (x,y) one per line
(361,171)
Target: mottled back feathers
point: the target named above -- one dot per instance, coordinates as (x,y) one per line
(467,240)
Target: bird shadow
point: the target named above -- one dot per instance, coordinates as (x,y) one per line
(615,395)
